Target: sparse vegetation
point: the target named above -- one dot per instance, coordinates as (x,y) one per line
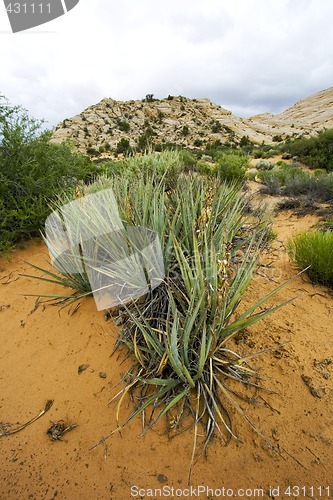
(294,181)
(316,152)
(314,250)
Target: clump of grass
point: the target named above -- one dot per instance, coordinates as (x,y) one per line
(314,250)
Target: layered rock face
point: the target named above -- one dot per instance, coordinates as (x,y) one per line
(189,122)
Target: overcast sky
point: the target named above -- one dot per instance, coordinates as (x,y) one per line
(249,56)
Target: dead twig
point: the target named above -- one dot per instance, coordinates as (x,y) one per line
(48,405)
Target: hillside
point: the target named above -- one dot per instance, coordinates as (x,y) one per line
(189,122)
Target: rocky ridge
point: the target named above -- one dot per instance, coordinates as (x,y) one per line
(192,123)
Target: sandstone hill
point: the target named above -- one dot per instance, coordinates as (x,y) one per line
(190,122)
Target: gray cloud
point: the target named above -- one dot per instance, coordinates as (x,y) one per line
(249,56)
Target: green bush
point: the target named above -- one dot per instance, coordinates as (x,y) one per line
(216,126)
(232,167)
(33,170)
(315,250)
(123,147)
(316,152)
(123,125)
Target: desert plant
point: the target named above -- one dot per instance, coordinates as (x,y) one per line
(316,152)
(123,147)
(314,251)
(123,125)
(265,165)
(232,167)
(177,338)
(33,170)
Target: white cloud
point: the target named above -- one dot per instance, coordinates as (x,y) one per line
(249,56)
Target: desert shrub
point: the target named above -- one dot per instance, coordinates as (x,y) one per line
(316,187)
(232,167)
(185,130)
(289,204)
(326,225)
(294,181)
(245,142)
(198,143)
(316,152)
(265,165)
(33,170)
(216,127)
(91,151)
(123,125)
(315,251)
(123,146)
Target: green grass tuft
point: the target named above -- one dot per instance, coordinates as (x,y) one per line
(314,249)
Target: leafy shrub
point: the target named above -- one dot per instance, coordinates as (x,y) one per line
(123,147)
(188,161)
(232,167)
(92,151)
(314,249)
(316,152)
(123,125)
(33,170)
(216,127)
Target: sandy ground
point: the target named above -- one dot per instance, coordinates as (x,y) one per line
(42,349)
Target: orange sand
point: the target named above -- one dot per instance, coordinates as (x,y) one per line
(42,350)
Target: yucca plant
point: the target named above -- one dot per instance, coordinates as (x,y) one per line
(182,364)
(178,337)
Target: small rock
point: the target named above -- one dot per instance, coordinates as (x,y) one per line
(102,374)
(81,368)
(162,478)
